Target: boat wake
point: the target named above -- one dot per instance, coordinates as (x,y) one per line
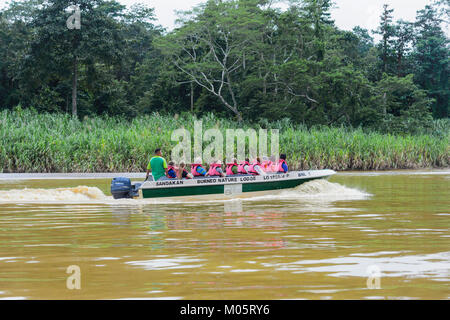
(320,190)
(64,195)
(317,190)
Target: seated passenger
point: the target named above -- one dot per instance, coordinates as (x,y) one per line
(267,165)
(255,168)
(171,170)
(282,164)
(183,173)
(243,167)
(274,166)
(232,168)
(215,169)
(197,169)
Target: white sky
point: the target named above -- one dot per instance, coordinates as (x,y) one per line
(349,13)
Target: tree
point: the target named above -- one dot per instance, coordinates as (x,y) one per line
(407,109)
(365,40)
(213,46)
(431,55)
(317,12)
(386,30)
(65,51)
(443,10)
(403,36)
(15,38)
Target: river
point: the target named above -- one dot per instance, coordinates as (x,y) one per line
(367,235)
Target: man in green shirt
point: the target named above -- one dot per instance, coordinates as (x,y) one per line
(158,166)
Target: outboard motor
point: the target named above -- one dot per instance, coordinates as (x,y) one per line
(122,188)
(135,189)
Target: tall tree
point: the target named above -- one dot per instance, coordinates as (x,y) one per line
(432,53)
(386,30)
(407,107)
(212,47)
(443,10)
(15,37)
(403,36)
(67,50)
(318,14)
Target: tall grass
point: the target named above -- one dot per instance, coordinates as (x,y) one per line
(34,142)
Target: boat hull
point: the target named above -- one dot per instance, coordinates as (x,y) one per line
(229,187)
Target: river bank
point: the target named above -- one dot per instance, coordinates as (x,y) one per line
(33,143)
(139,175)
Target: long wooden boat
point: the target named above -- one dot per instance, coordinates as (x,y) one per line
(228,187)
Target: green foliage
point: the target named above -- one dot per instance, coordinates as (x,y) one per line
(242,59)
(406,108)
(108,53)
(432,56)
(43,142)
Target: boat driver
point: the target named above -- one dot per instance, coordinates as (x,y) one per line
(158,166)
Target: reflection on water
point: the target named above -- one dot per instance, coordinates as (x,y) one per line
(315,242)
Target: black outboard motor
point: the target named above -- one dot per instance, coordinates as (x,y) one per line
(122,188)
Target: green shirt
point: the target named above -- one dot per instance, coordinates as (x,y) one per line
(157,165)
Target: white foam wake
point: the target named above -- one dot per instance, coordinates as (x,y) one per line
(319,190)
(77,194)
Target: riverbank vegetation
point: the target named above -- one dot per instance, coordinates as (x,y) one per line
(92,99)
(42,142)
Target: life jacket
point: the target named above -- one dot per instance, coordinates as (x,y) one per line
(172,175)
(267,166)
(230,166)
(213,169)
(274,167)
(252,170)
(241,166)
(185,172)
(280,165)
(194,167)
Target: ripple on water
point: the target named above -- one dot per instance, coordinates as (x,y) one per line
(435,266)
(156,298)
(253,244)
(169,263)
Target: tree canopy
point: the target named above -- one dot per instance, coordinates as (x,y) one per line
(242,59)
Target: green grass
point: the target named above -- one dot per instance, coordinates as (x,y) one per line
(32,142)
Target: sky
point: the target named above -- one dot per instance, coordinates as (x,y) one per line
(348,14)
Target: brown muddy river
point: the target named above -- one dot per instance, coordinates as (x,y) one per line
(382,235)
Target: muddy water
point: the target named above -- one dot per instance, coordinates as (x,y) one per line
(356,236)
